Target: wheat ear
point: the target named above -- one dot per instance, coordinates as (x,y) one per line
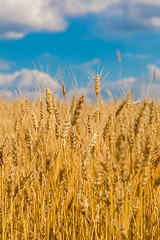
(78,110)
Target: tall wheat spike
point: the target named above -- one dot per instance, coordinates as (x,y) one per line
(49,101)
(64,91)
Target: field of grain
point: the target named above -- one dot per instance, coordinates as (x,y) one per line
(79,170)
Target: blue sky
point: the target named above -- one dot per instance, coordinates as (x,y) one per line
(64,38)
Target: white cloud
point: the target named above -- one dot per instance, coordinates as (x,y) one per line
(4,65)
(11,35)
(149,2)
(26,80)
(142,56)
(140,86)
(138,56)
(155,21)
(18,17)
(121,87)
(127,55)
(127,82)
(135,15)
(78,7)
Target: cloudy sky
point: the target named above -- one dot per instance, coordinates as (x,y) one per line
(43,41)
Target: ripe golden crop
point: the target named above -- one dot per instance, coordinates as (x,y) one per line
(78,170)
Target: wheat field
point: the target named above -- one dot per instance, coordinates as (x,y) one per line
(79,170)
